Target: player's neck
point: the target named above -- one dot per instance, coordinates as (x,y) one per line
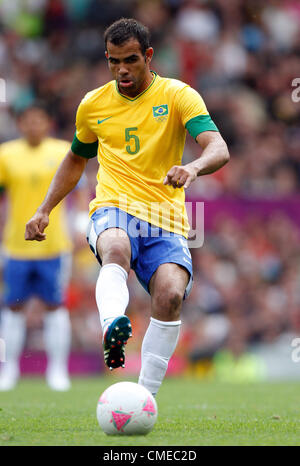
(34,142)
(146,83)
(148,80)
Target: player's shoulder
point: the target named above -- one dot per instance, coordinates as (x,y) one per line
(93,96)
(55,148)
(175,88)
(57,143)
(172,85)
(11,147)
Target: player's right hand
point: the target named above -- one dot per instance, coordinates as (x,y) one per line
(35,227)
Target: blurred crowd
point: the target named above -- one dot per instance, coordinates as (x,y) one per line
(242,56)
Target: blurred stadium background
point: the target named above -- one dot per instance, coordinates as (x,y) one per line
(242,56)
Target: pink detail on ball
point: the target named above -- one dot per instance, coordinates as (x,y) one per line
(102,399)
(120,419)
(149,406)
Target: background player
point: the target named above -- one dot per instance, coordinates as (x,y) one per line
(139,122)
(27,166)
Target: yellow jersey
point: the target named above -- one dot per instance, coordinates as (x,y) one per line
(137,141)
(26,173)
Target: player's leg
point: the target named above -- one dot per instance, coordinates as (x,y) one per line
(52,278)
(167,287)
(112,239)
(114,250)
(13,324)
(57,339)
(13,332)
(112,296)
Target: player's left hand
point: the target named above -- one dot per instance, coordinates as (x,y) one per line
(181,175)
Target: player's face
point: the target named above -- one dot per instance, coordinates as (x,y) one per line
(129,67)
(34,125)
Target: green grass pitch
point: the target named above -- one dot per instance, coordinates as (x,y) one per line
(191,412)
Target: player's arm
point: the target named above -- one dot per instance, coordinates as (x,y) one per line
(84,147)
(81,197)
(196,119)
(65,179)
(214,156)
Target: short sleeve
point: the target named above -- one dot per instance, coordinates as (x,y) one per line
(85,142)
(193,112)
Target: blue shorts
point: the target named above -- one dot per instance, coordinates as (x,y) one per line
(45,279)
(151,246)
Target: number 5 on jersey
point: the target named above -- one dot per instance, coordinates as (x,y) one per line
(134,143)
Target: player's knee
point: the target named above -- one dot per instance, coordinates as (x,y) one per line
(168,304)
(117,253)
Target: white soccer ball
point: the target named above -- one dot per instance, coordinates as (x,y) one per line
(126,408)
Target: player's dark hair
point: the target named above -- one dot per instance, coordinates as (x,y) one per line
(124,29)
(36,105)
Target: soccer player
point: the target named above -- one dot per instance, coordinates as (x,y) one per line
(27,166)
(137,124)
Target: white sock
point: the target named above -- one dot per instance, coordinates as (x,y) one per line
(159,343)
(13,332)
(112,294)
(57,338)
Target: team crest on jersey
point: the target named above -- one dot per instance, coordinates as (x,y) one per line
(160,113)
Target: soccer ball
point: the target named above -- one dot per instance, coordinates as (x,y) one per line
(126,408)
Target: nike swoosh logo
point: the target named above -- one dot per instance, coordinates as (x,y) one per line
(101,121)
